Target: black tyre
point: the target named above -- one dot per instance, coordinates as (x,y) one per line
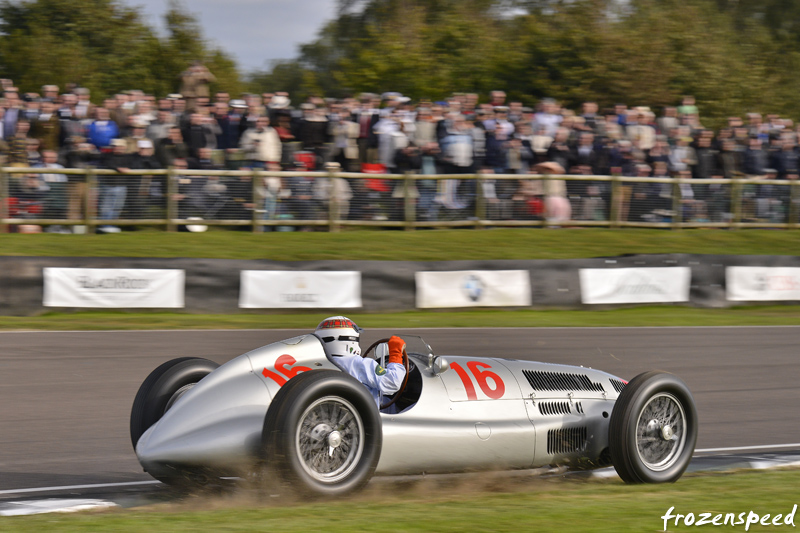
(653,429)
(322,434)
(162,388)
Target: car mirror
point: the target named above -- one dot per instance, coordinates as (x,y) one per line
(440,365)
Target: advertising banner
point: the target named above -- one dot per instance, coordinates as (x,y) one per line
(473,288)
(762,284)
(635,285)
(280,289)
(113,288)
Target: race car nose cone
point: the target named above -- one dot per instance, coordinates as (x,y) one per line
(334,439)
(667,433)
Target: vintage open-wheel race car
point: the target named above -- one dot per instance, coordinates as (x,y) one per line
(289,408)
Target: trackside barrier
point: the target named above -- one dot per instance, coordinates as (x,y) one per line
(215,285)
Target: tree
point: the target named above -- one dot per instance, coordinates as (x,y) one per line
(732,56)
(98,43)
(102,45)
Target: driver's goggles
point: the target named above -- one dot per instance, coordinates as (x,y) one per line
(352,338)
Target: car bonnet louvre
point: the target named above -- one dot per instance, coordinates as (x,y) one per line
(555,408)
(553,381)
(617,384)
(567,440)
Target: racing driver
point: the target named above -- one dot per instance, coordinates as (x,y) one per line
(341,336)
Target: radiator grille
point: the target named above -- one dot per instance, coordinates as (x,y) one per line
(617,384)
(549,381)
(566,440)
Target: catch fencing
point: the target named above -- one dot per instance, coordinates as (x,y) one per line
(286,201)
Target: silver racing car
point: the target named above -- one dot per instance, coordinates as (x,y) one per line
(289,409)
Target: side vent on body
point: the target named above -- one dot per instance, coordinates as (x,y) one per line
(555,408)
(617,384)
(566,440)
(550,381)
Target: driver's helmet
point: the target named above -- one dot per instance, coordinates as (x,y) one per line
(340,335)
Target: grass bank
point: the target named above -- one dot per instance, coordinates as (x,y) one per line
(427,245)
(632,317)
(542,505)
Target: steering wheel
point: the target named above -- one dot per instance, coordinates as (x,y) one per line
(405,379)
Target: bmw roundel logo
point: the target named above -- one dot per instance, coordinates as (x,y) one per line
(473,287)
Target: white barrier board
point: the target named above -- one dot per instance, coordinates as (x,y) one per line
(473,288)
(116,288)
(635,285)
(261,289)
(762,284)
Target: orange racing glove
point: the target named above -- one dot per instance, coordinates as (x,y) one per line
(396,347)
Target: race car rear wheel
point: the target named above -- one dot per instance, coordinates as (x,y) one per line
(653,429)
(322,433)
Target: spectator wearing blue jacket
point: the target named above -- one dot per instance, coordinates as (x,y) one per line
(103,130)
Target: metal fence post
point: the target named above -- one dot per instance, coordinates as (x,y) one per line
(480,201)
(677,214)
(736,202)
(333,201)
(172,207)
(408,202)
(794,197)
(3,201)
(256,211)
(616,202)
(91,199)
(547,188)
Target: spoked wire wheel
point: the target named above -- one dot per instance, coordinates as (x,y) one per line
(330,439)
(653,429)
(661,432)
(322,434)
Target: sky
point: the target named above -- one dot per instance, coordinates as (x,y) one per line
(254,32)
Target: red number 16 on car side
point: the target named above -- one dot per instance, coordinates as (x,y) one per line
(489,382)
(283,365)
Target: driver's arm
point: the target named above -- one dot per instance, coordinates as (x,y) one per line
(387,380)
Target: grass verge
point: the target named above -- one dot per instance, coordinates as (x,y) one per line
(634,317)
(543,505)
(429,245)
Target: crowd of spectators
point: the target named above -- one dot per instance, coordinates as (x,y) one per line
(383,133)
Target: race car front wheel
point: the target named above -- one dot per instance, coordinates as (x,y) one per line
(653,429)
(322,433)
(162,388)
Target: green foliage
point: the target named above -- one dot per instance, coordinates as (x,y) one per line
(733,56)
(284,76)
(102,45)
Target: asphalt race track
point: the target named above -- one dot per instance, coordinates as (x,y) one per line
(66,396)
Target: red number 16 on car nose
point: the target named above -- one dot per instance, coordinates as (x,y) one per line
(481,373)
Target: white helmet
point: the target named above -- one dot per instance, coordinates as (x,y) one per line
(340,335)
